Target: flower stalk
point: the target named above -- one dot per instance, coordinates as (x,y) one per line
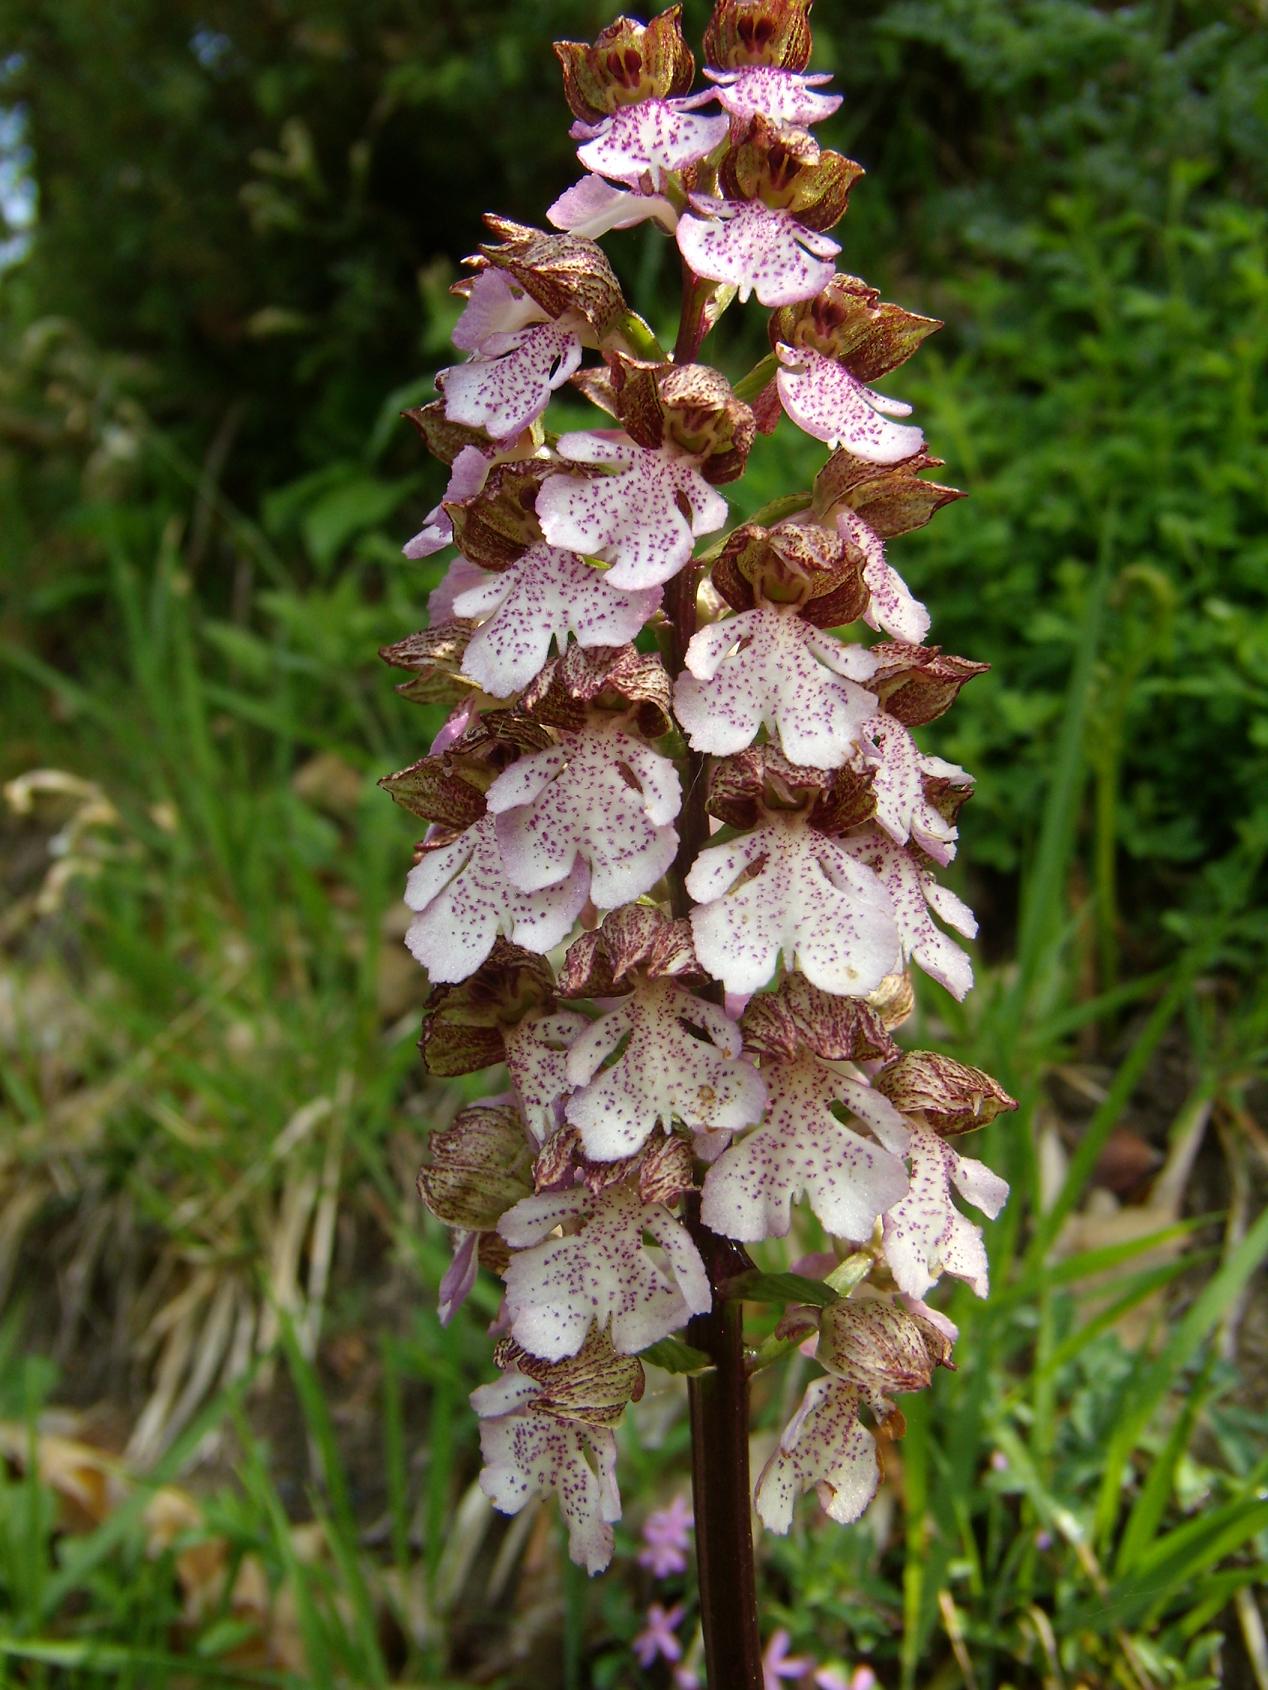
(682,842)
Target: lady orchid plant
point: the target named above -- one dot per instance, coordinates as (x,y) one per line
(683,844)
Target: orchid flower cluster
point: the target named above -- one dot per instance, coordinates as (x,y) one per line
(682,841)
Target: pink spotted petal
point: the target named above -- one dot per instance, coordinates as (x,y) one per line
(805,901)
(537,1059)
(826,1446)
(769,667)
(802,1149)
(826,401)
(464,900)
(543,597)
(460,1276)
(601,1275)
(460,578)
(633,517)
(756,249)
(925,1234)
(783,96)
(509,385)
(467,475)
(529,1455)
(902,808)
(494,307)
(594,206)
(649,139)
(604,799)
(893,608)
(910,888)
(665,1072)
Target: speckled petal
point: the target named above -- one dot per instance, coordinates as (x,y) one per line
(592,207)
(575,802)
(801,1148)
(556,1290)
(664,1073)
(632,518)
(649,138)
(925,1234)
(494,306)
(510,383)
(463,900)
(902,808)
(784,96)
(824,1445)
(462,576)
(543,597)
(893,608)
(805,900)
(756,249)
(537,1059)
(467,476)
(910,888)
(764,667)
(826,401)
(527,1455)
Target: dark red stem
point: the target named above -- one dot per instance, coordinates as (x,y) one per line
(719,1398)
(720,1478)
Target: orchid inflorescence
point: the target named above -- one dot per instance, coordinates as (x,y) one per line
(707,775)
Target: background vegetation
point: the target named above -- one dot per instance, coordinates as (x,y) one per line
(234,1443)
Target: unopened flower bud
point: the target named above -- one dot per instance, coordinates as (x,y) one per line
(879,1347)
(759,32)
(848,321)
(787,170)
(952,1097)
(629,62)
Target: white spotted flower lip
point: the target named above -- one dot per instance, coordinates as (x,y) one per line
(771,667)
(601,1275)
(825,1446)
(537,1060)
(783,96)
(633,516)
(925,1234)
(509,383)
(756,249)
(909,888)
(681,1061)
(604,800)
(528,1454)
(826,401)
(538,601)
(650,139)
(464,900)
(787,889)
(802,1149)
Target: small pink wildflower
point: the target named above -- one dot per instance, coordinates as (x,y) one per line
(657,1641)
(829,1678)
(666,1539)
(778,1664)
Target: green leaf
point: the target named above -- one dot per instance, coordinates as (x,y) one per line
(676,1357)
(783,1288)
